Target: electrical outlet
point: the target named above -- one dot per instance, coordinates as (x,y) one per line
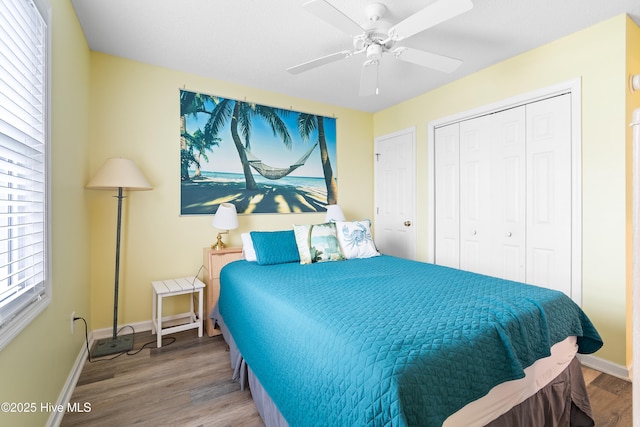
(73,320)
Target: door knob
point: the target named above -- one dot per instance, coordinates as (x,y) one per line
(407,223)
(509,234)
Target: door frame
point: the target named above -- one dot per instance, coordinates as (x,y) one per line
(376,182)
(572,87)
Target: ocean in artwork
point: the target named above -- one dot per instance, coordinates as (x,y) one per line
(291,194)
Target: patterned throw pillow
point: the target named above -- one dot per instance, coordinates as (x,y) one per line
(355,239)
(317,243)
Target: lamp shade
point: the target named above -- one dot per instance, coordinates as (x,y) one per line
(334,213)
(226,217)
(119,173)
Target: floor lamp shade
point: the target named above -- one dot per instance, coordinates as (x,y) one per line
(117,174)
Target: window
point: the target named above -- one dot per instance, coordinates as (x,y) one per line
(24,280)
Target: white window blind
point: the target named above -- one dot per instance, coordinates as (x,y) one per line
(23,165)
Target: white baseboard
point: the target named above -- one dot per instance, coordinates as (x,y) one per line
(135,327)
(605,366)
(69,386)
(122,330)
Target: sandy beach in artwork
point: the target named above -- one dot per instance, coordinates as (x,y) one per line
(202,195)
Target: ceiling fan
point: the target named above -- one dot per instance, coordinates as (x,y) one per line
(375,41)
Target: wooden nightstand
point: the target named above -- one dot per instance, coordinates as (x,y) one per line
(214,261)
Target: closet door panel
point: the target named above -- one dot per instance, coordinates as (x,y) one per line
(447,187)
(475,191)
(508,197)
(549,193)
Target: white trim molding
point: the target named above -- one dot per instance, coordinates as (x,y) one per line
(605,366)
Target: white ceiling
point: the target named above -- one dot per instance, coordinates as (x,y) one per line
(252,42)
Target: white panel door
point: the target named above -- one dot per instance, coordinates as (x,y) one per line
(447,188)
(508,197)
(549,193)
(394,174)
(489,225)
(475,200)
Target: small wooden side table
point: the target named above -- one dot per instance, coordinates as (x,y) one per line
(214,260)
(170,288)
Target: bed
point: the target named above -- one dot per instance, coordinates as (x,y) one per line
(376,340)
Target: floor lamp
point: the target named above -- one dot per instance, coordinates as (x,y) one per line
(117,174)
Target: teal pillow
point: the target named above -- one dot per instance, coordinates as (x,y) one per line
(275,247)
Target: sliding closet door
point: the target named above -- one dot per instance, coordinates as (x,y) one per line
(549,193)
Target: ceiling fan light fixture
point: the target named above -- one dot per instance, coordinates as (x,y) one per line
(359,43)
(374,52)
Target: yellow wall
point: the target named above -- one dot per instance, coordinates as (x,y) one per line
(633,102)
(596,55)
(135,114)
(35,365)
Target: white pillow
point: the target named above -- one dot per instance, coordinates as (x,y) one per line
(355,239)
(247,247)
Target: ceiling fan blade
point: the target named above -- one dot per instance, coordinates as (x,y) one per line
(427,59)
(369,78)
(333,16)
(309,65)
(428,17)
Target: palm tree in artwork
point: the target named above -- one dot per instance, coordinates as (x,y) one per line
(307,123)
(199,145)
(193,146)
(241,115)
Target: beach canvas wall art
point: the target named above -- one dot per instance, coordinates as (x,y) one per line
(262,159)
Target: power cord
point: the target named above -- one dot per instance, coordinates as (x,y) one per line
(170,340)
(193,282)
(193,286)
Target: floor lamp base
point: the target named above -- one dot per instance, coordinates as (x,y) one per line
(111,345)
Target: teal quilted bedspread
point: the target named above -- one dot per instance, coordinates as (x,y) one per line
(385,341)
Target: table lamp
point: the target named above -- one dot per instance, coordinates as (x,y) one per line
(334,213)
(226,218)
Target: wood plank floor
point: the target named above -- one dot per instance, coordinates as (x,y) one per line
(188,383)
(610,399)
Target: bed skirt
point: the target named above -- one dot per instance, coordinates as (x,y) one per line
(562,402)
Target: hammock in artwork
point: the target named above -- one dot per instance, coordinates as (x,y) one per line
(271,172)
